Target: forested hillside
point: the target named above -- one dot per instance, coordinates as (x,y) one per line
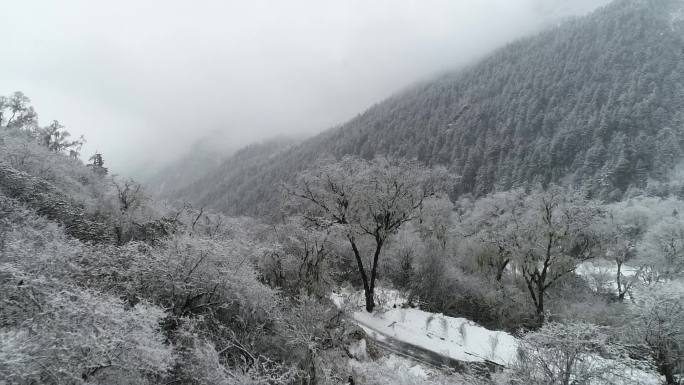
(520,221)
(209,182)
(203,157)
(99,284)
(371,275)
(596,102)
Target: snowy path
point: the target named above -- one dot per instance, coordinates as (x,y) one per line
(434,338)
(424,356)
(438,341)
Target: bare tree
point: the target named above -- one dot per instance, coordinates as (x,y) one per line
(55,138)
(546,234)
(366,200)
(130,199)
(490,222)
(557,236)
(16,111)
(298,259)
(573,353)
(624,252)
(622,231)
(658,323)
(129,194)
(664,244)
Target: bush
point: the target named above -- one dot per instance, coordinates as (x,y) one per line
(57,293)
(575,353)
(453,292)
(53,333)
(297,259)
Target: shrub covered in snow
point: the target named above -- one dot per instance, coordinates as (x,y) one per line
(577,353)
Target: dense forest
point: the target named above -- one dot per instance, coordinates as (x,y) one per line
(519,221)
(596,102)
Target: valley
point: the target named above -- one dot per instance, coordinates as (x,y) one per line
(519,220)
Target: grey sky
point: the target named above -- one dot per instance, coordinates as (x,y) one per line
(143,78)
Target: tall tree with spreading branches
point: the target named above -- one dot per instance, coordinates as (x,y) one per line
(56,138)
(545,233)
(16,112)
(366,201)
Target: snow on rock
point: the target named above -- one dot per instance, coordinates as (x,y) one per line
(395,362)
(359,350)
(457,338)
(396,370)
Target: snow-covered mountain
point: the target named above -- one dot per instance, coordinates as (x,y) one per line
(597,102)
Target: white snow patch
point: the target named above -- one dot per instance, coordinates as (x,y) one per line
(384,298)
(457,338)
(395,362)
(359,350)
(601,266)
(601,275)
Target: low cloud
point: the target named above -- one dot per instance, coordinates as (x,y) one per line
(143,79)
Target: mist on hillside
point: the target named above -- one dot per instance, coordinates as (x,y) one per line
(144,80)
(348,193)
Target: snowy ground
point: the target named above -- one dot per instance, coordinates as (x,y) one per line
(394,370)
(601,275)
(457,338)
(603,267)
(397,363)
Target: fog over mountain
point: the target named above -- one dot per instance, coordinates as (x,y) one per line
(135,76)
(395,192)
(595,102)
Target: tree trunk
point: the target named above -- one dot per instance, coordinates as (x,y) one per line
(540,280)
(119,235)
(667,371)
(567,375)
(621,292)
(308,366)
(665,368)
(540,305)
(370,302)
(536,290)
(500,269)
(368,288)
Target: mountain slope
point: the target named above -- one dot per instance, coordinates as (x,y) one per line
(206,190)
(203,158)
(597,102)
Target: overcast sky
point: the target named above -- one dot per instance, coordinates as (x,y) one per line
(143,79)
